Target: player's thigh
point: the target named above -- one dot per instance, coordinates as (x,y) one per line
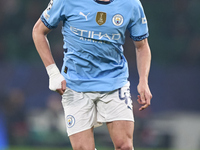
(115,105)
(121,133)
(80,111)
(83,140)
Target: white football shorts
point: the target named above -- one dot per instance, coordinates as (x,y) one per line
(84,110)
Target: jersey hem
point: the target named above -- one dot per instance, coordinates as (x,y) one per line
(91,85)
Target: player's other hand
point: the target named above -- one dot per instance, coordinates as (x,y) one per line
(56,80)
(57,83)
(145,96)
(63,88)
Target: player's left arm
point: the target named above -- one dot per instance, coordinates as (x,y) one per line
(143,58)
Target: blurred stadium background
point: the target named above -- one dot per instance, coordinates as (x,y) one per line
(32,116)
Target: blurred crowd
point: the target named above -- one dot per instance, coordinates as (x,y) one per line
(16,22)
(41,126)
(174,30)
(30,114)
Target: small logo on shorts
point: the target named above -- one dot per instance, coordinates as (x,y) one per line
(70,121)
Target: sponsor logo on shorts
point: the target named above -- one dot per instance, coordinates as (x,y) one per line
(70,121)
(124,95)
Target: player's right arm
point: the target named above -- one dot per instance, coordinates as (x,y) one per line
(56,80)
(39,34)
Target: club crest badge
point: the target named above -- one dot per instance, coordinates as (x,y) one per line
(70,121)
(118,20)
(101,18)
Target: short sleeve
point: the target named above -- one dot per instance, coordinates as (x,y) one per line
(53,14)
(138,27)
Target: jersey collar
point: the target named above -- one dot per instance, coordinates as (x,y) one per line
(103,2)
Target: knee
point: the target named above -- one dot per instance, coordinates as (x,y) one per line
(124,145)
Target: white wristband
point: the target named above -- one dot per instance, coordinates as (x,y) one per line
(52,70)
(55,77)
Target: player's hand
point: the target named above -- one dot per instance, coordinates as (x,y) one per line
(57,83)
(145,96)
(63,88)
(56,80)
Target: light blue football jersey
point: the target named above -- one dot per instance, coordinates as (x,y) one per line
(93,34)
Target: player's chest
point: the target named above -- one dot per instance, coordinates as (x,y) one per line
(94,16)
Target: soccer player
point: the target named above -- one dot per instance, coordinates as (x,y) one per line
(93,79)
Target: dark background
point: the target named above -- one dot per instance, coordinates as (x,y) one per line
(174,27)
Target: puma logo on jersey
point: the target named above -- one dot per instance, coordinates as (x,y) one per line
(84,15)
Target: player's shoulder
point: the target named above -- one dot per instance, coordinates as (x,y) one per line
(58,3)
(135,2)
(132,4)
(54,2)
